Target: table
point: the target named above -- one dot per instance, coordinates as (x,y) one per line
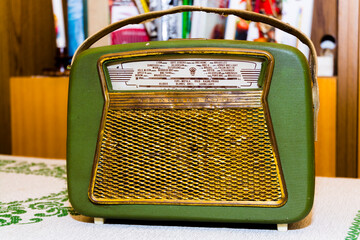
(34,205)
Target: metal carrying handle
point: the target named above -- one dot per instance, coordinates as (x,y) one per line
(246,15)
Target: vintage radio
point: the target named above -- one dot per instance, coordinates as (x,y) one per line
(192,130)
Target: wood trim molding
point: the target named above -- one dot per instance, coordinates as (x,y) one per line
(325,146)
(39,116)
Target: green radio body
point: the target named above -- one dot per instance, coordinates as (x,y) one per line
(100,190)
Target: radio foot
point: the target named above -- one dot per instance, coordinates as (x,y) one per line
(99,220)
(283,227)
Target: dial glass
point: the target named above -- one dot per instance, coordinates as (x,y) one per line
(185,74)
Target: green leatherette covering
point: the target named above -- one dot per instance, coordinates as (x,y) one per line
(290,105)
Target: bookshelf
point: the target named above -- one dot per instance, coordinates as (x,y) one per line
(325,146)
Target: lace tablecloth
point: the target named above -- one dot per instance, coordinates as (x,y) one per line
(34,205)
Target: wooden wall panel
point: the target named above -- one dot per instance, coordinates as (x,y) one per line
(38,116)
(325,147)
(27,46)
(5,132)
(31,36)
(348,78)
(358,147)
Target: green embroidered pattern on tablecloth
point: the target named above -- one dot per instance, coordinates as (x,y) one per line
(354,230)
(36,209)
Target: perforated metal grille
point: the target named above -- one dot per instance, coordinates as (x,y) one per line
(187,156)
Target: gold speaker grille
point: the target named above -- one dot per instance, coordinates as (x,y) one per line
(187,156)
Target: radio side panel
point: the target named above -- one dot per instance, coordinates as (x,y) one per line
(290,108)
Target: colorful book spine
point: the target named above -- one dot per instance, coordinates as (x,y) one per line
(208,25)
(122,9)
(76,33)
(59,24)
(234,24)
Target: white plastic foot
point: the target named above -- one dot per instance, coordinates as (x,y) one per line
(99,220)
(283,227)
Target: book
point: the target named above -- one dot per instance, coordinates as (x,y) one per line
(143,7)
(262,32)
(76,30)
(208,25)
(236,28)
(297,13)
(121,9)
(59,23)
(98,17)
(168,26)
